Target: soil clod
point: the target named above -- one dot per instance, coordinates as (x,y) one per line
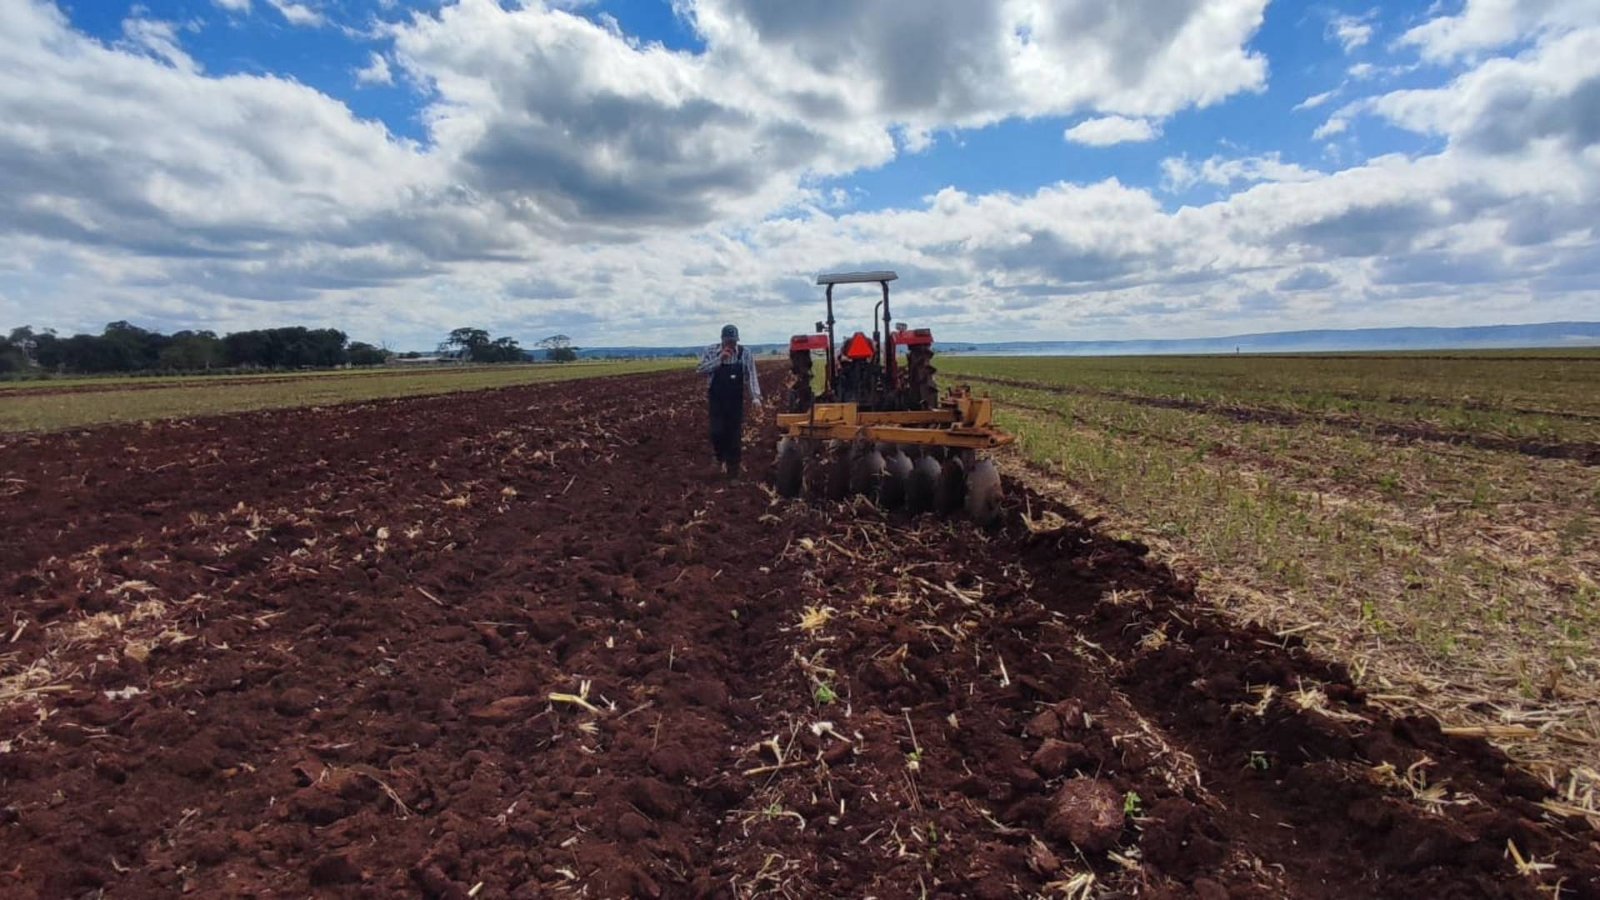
(1087,813)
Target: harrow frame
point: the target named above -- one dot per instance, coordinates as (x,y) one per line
(962,421)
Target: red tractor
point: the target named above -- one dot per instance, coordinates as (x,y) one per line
(879,426)
(867,371)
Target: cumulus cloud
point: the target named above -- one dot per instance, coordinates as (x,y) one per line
(237,162)
(543,118)
(299,14)
(1310,278)
(575,121)
(233,5)
(1551,92)
(1352,32)
(1484,25)
(1179,174)
(989,264)
(158,39)
(1109,130)
(954,62)
(1333,127)
(1316,100)
(562,120)
(667,189)
(376,71)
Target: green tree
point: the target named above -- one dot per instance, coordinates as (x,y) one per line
(558,348)
(127,347)
(95,353)
(364,354)
(23,340)
(464,343)
(286,348)
(247,348)
(192,351)
(475,345)
(500,350)
(12,358)
(47,350)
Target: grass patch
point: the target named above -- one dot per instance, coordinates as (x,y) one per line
(50,383)
(1522,396)
(97,402)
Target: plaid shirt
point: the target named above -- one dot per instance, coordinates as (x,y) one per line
(712,358)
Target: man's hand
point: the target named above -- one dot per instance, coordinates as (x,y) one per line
(727,352)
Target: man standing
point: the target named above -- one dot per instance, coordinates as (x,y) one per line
(730,371)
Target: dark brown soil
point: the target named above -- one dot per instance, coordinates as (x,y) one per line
(1585,452)
(313,653)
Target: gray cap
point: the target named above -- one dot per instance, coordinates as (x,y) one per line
(730,333)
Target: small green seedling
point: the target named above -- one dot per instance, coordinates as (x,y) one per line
(825,694)
(1258,761)
(914,760)
(1132,804)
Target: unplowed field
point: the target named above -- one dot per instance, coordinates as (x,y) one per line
(521,643)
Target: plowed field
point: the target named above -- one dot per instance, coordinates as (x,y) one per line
(521,643)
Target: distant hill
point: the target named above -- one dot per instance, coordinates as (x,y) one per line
(661,352)
(1483,337)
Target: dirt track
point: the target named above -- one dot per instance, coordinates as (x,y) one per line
(313,651)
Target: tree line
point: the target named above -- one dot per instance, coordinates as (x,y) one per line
(124,347)
(476,345)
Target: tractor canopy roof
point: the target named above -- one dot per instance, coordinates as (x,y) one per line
(856,277)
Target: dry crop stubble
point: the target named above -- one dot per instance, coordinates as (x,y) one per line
(1461,579)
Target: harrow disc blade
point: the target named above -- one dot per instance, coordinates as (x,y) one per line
(952,485)
(817,462)
(896,479)
(984,492)
(866,472)
(922,492)
(791,468)
(837,471)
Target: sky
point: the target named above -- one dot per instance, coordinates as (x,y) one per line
(641,171)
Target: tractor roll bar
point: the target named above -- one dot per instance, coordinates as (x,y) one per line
(886,357)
